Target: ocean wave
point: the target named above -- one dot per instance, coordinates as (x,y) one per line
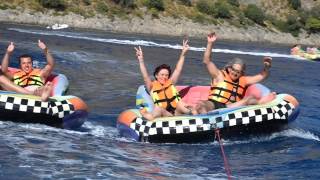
(145,43)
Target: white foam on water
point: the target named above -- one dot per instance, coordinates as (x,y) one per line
(300,134)
(146,43)
(101,131)
(45,128)
(91,129)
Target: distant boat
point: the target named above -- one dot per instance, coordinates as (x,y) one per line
(58,26)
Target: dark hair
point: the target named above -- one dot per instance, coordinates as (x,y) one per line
(159,68)
(24,56)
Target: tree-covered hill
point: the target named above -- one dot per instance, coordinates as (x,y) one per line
(291,16)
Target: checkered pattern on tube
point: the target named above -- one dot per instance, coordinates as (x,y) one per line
(60,108)
(146,128)
(283,110)
(245,117)
(54,108)
(196,124)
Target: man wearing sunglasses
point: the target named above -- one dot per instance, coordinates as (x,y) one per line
(229,84)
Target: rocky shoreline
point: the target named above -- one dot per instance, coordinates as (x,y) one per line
(160,26)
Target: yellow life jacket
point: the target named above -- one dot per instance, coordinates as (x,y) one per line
(165,95)
(23,79)
(228,91)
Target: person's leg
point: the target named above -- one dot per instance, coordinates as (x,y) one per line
(157,112)
(47,89)
(182,108)
(198,108)
(268,98)
(203,107)
(146,115)
(44,92)
(165,113)
(8,85)
(249,100)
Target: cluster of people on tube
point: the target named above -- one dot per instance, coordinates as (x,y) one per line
(310,52)
(227,86)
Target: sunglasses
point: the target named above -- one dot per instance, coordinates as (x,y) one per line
(236,70)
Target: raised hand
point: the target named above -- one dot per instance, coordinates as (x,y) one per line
(212,37)
(10,48)
(42,45)
(139,53)
(185,46)
(267,62)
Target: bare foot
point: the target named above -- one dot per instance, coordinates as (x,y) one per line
(194,112)
(146,114)
(46,91)
(271,96)
(251,100)
(37,92)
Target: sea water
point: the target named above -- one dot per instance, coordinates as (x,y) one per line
(103,71)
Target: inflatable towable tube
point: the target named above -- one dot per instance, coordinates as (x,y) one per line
(59,111)
(232,122)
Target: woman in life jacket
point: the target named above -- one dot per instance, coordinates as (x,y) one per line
(229,84)
(162,90)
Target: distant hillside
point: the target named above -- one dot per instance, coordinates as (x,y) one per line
(286,21)
(285,16)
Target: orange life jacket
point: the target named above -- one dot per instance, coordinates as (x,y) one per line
(23,79)
(228,91)
(165,95)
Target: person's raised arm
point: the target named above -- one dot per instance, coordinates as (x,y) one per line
(263,74)
(46,71)
(5,61)
(143,68)
(212,68)
(177,71)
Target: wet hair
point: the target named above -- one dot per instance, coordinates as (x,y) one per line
(24,56)
(159,68)
(235,61)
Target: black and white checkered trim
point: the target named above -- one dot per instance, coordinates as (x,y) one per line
(54,108)
(196,124)
(23,105)
(283,110)
(245,117)
(60,108)
(146,128)
(141,126)
(280,111)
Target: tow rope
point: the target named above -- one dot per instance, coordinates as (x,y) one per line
(225,160)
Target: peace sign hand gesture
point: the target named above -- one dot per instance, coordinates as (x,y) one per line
(185,46)
(139,53)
